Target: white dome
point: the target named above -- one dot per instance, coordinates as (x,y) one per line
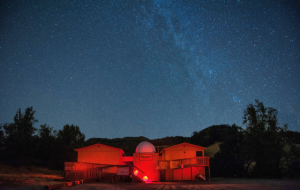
(145,147)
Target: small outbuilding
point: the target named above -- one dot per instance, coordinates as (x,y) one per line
(145,159)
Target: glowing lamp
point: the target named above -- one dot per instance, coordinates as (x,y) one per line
(146,180)
(136,172)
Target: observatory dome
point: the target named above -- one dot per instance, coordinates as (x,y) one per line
(145,147)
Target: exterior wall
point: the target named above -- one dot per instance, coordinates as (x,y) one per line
(181,152)
(148,163)
(100,154)
(178,152)
(188,173)
(177,174)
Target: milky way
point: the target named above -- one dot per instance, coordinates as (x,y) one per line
(149,68)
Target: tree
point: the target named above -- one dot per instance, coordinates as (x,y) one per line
(294,161)
(264,140)
(258,149)
(1,136)
(19,134)
(259,118)
(46,145)
(46,132)
(70,137)
(291,157)
(1,141)
(230,160)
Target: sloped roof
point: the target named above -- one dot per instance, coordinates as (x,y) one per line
(98,144)
(185,143)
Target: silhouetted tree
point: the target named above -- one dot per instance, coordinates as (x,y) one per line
(231,159)
(258,149)
(293,136)
(19,135)
(1,137)
(294,161)
(264,139)
(70,138)
(291,153)
(1,141)
(47,146)
(46,132)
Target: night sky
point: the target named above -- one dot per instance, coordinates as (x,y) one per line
(149,68)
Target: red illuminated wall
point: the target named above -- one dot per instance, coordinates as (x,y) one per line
(148,163)
(188,173)
(181,151)
(100,154)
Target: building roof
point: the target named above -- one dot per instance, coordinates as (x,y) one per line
(145,147)
(185,143)
(98,144)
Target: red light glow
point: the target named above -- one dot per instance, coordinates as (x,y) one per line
(146,180)
(136,172)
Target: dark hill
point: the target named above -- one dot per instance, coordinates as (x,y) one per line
(212,134)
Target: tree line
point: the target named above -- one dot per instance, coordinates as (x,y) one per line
(23,144)
(261,149)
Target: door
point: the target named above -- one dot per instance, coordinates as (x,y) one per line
(163,174)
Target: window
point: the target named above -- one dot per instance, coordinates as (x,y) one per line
(199,154)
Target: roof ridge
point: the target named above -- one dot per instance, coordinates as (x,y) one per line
(181,144)
(100,144)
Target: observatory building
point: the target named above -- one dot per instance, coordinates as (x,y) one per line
(146,159)
(180,162)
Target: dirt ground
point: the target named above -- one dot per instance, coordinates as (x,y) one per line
(216,183)
(28,181)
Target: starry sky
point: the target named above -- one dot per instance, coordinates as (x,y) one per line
(149,68)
